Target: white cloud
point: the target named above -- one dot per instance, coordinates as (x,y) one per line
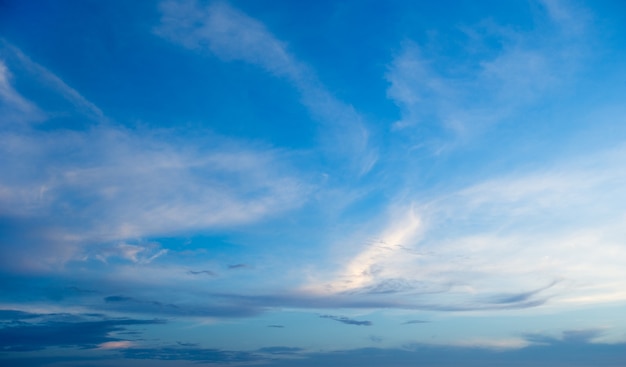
(138,254)
(552,237)
(494,344)
(45,77)
(466,98)
(232,35)
(229,34)
(121,184)
(109,184)
(370,265)
(572,19)
(13,107)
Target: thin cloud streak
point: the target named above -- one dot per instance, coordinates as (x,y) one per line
(232,35)
(56,331)
(113,184)
(13,106)
(474,245)
(347,320)
(529,66)
(59,85)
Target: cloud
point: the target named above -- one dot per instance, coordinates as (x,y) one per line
(50,330)
(442,104)
(205,272)
(14,315)
(410,322)
(280,350)
(187,344)
(347,320)
(92,193)
(138,254)
(130,304)
(547,237)
(555,355)
(140,185)
(117,299)
(191,354)
(232,35)
(579,337)
(191,307)
(227,32)
(15,109)
(115,345)
(361,273)
(520,297)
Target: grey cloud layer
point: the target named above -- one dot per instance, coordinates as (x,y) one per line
(26,331)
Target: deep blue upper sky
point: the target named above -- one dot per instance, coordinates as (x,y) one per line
(287,183)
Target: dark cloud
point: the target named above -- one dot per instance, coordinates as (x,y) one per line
(51,333)
(14,315)
(362,300)
(276,326)
(583,336)
(210,309)
(346,320)
(191,354)
(574,349)
(205,272)
(279,350)
(187,344)
(147,304)
(521,297)
(555,355)
(117,299)
(237,266)
(415,322)
(400,285)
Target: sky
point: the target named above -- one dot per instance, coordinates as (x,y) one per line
(291,184)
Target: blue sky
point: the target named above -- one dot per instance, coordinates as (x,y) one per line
(285,183)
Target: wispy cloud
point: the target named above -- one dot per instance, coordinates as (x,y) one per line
(203,272)
(347,320)
(80,330)
(435,97)
(410,322)
(549,237)
(582,336)
(280,350)
(138,254)
(150,302)
(178,353)
(112,184)
(116,345)
(232,35)
(48,78)
(14,107)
